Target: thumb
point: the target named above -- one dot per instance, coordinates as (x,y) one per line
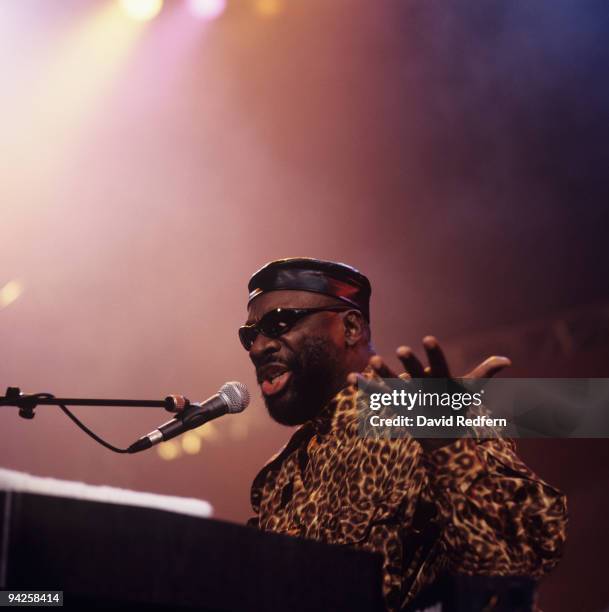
(489,367)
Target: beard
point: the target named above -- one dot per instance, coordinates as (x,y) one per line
(313,382)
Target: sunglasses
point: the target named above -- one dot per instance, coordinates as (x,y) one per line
(279,321)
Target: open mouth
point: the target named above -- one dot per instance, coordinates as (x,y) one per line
(273,379)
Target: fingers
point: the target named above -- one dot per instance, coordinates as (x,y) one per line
(353,378)
(489,367)
(367,385)
(381,369)
(375,384)
(438,367)
(411,363)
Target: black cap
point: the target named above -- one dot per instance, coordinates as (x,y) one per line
(307,274)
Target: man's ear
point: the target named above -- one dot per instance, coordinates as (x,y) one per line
(355,327)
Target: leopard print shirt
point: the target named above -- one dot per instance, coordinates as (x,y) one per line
(471,507)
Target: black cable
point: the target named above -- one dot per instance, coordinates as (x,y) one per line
(80,424)
(90,433)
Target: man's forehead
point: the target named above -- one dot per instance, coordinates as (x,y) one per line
(286,298)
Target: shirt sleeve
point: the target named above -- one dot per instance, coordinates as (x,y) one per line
(499,518)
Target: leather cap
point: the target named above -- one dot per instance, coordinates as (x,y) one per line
(307,274)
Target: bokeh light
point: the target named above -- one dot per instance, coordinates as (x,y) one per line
(169,450)
(208,432)
(10,292)
(207,9)
(191,444)
(142,10)
(268,8)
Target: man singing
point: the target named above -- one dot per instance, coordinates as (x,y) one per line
(457,506)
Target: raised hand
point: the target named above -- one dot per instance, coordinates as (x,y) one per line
(437,368)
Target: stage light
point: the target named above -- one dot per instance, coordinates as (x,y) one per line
(209,432)
(191,444)
(168,450)
(71,88)
(10,292)
(142,10)
(269,8)
(207,9)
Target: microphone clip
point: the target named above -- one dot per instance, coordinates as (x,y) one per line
(26,403)
(176,404)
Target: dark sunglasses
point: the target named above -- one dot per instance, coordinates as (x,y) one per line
(279,321)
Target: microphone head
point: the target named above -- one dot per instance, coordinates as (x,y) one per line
(236,395)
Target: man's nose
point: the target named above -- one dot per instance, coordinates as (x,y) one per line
(263,345)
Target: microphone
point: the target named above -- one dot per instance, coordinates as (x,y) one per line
(232,397)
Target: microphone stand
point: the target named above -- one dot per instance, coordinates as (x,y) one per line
(28,402)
